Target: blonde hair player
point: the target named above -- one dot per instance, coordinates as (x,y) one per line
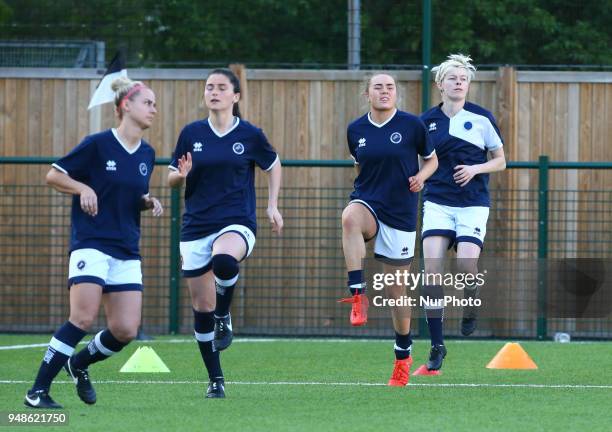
(108,176)
(215,158)
(386,144)
(456,198)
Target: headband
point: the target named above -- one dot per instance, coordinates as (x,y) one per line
(133,90)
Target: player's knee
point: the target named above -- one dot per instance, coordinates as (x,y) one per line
(467,265)
(82,320)
(350,220)
(204,304)
(396,291)
(124,332)
(225,267)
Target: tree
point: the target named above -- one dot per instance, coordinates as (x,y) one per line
(312,33)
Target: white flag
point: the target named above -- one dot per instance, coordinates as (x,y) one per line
(104,93)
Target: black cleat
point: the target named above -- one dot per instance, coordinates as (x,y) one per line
(468,325)
(470,313)
(40,399)
(216,389)
(223,333)
(436,356)
(84,387)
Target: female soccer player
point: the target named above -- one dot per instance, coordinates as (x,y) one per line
(108,175)
(216,158)
(385,144)
(456,197)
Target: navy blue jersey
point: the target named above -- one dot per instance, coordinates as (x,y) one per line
(387,155)
(119,178)
(463,139)
(220,188)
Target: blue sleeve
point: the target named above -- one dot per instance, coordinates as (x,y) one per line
(152,164)
(424,145)
(264,154)
(492,136)
(179,150)
(77,164)
(352,145)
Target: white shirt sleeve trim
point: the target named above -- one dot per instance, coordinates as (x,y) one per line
(430,155)
(59,168)
(273,163)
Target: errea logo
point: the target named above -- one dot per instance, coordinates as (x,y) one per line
(197,146)
(432,126)
(111,165)
(362,142)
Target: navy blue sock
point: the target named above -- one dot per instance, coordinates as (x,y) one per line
(102,346)
(204,325)
(60,349)
(434,312)
(435,329)
(225,269)
(403,346)
(356,284)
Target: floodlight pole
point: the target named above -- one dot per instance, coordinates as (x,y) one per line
(354,34)
(426,57)
(426,31)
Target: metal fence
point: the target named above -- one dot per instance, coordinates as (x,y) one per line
(289,285)
(58,54)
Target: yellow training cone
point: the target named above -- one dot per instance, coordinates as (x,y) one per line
(145,359)
(512,356)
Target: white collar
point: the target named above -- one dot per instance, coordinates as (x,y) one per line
(221,135)
(126,148)
(379,125)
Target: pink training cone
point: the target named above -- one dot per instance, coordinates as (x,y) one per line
(512,356)
(422,370)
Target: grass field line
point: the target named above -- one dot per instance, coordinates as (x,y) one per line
(338,384)
(278,339)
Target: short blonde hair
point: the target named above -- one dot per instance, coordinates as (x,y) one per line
(454,60)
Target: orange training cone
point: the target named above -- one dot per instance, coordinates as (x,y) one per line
(422,370)
(512,356)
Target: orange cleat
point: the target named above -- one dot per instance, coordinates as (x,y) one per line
(359,310)
(401,373)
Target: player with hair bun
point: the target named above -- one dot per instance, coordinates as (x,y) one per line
(108,176)
(216,158)
(456,197)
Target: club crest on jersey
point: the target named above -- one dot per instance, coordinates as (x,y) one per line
(111,165)
(467,125)
(432,126)
(238,148)
(143,168)
(396,137)
(362,142)
(81,265)
(197,146)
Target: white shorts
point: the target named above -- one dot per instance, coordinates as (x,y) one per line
(391,246)
(460,224)
(196,255)
(93,266)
